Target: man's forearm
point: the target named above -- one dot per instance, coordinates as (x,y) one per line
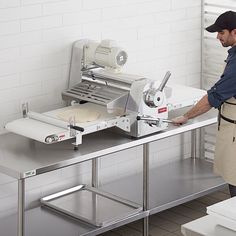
(201,107)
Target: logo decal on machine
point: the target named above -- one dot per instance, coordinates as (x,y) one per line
(62,136)
(162,109)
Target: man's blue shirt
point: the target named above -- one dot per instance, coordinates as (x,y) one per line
(225,88)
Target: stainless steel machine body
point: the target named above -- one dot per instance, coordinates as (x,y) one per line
(133,96)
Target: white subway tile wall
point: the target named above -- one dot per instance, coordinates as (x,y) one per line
(35,46)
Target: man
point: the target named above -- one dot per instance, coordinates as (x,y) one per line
(223,97)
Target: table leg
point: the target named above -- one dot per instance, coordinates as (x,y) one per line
(202,143)
(194,144)
(21,208)
(95,173)
(95,185)
(145,186)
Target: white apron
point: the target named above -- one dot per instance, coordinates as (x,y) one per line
(225,151)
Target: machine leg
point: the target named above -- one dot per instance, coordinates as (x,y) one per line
(145,186)
(21,208)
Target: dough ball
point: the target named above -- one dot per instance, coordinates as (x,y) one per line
(80,115)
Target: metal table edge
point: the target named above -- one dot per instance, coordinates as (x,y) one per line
(134,143)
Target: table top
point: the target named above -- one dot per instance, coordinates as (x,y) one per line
(21,157)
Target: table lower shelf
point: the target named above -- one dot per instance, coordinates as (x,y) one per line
(42,221)
(170,185)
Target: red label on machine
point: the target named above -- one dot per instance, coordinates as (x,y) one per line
(162,109)
(62,136)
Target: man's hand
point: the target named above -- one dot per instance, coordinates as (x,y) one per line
(180,120)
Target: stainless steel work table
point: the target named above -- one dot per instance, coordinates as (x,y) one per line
(173,184)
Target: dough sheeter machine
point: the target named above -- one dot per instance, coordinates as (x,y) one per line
(100,96)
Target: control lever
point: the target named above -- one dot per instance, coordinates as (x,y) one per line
(154,119)
(153,97)
(164,81)
(78,128)
(72,125)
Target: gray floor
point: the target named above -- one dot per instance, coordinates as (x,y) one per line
(168,223)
